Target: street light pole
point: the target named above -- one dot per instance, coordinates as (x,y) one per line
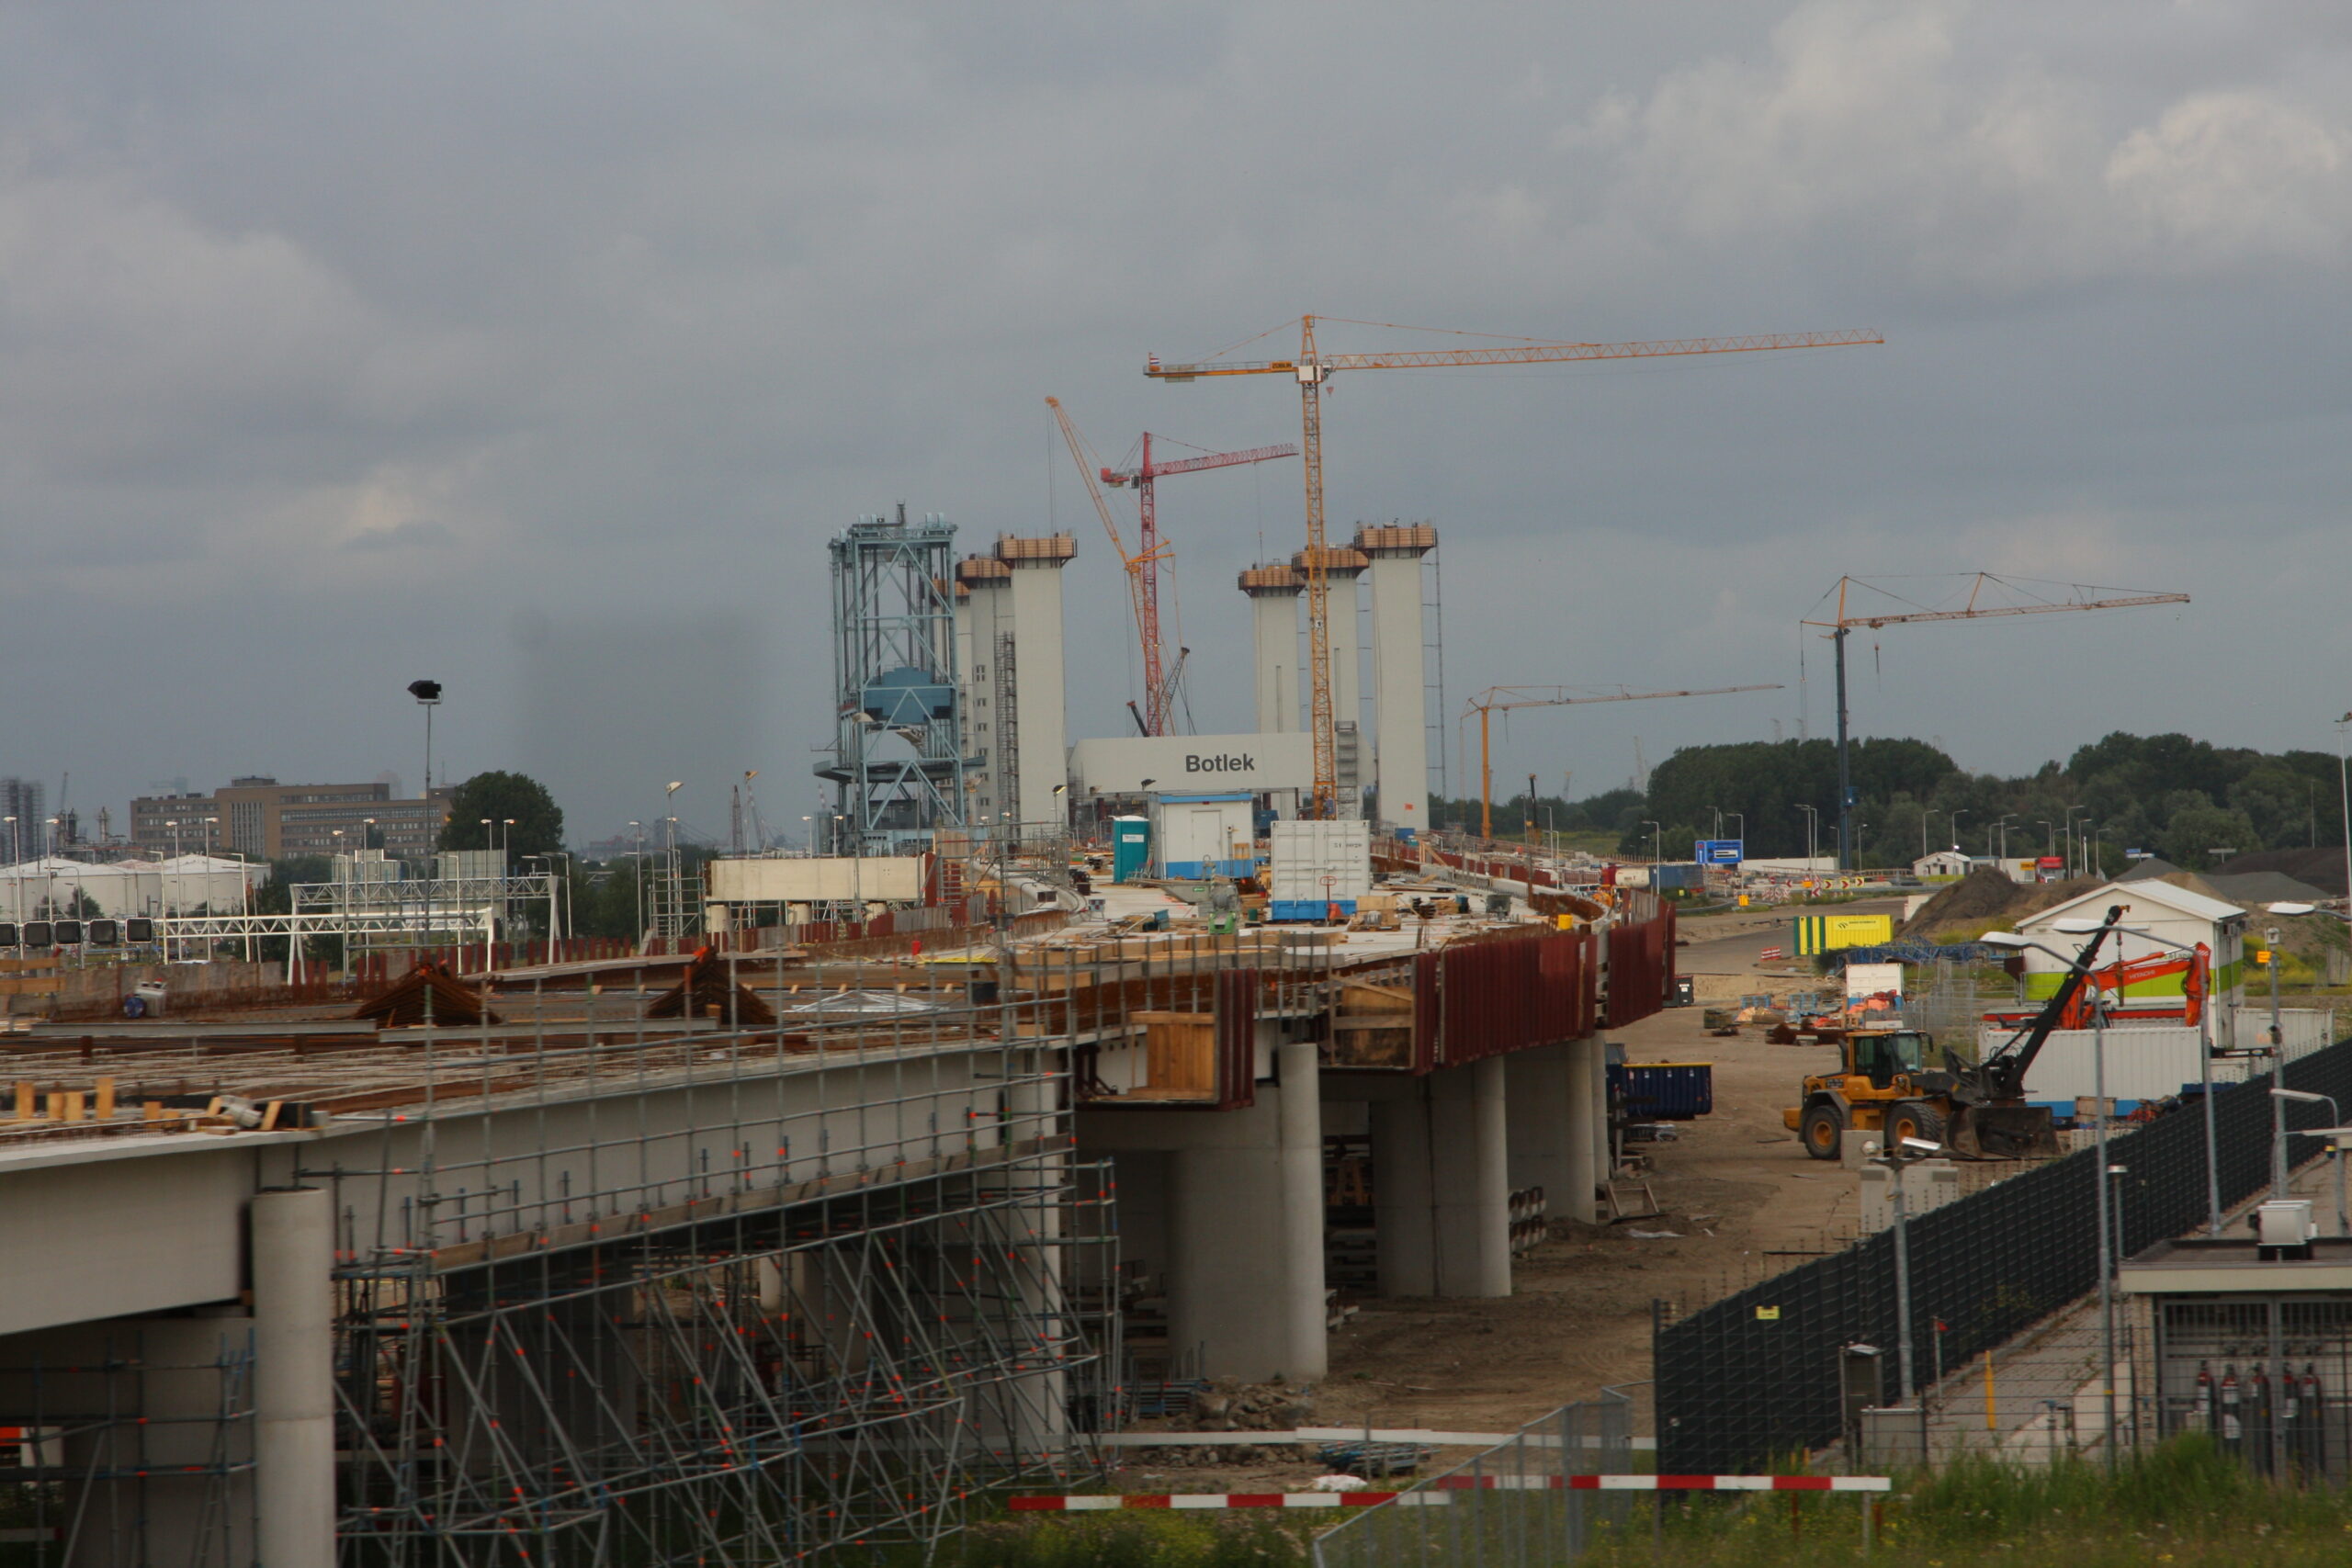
(2106,1236)
(2278,1075)
(2279,1096)
(1656,846)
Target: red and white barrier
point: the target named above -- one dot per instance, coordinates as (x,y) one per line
(1439,1491)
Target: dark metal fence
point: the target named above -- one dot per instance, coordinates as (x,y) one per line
(1756,1375)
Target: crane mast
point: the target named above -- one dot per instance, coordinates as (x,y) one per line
(1159,698)
(1312,368)
(1839,626)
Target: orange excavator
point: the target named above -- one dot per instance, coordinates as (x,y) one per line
(2117,979)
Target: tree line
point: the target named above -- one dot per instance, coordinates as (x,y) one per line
(2191,802)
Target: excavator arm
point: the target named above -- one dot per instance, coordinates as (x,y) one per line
(2120,977)
(2000,1078)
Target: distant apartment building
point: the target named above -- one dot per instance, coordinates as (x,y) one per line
(264,819)
(28,837)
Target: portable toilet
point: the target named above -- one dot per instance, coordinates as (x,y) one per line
(1130,847)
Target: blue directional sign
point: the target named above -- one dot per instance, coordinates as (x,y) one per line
(1719,851)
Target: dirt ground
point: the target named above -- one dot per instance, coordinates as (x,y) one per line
(1740,1197)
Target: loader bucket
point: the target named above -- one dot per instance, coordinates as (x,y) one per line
(2007,1132)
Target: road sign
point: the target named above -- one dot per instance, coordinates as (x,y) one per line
(1719,851)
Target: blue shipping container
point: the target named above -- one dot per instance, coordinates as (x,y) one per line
(1307,908)
(1665,1092)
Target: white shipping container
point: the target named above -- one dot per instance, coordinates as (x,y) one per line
(804,879)
(1202,836)
(2149,1062)
(1305,853)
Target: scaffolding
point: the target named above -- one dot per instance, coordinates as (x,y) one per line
(801,1266)
(898,766)
(739,1288)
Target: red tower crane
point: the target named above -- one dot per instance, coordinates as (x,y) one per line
(1160,694)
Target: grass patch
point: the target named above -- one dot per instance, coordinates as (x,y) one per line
(1142,1539)
(2184,1504)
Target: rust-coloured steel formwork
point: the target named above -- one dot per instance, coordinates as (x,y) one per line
(1641,962)
(1237,1039)
(1495,997)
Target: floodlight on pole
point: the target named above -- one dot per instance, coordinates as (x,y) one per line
(428,697)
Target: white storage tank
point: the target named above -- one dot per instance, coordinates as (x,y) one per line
(1198,836)
(1315,865)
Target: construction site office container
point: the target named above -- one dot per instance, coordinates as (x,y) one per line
(1199,836)
(2148,1061)
(1130,847)
(1315,865)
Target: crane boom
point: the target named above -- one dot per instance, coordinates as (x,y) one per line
(1842,624)
(1152,470)
(1485,705)
(1312,367)
(1159,700)
(1147,611)
(1525,354)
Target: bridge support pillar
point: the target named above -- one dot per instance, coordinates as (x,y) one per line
(293,1273)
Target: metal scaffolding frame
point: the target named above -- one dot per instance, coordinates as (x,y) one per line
(124,1441)
(611,1290)
(895,674)
(798,1268)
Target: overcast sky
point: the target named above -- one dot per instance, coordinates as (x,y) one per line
(538,349)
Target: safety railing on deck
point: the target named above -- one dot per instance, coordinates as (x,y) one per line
(1511,1507)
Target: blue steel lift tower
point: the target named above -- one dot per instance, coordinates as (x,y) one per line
(897,768)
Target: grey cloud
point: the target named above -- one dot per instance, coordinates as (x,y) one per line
(421,533)
(636,307)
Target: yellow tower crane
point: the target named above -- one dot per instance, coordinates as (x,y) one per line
(1312,367)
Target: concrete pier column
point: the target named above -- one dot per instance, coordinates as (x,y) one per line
(1604,1163)
(1402,1209)
(1245,1232)
(1469,1152)
(1344,568)
(1039,1420)
(1584,1129)
(293,1258)
(1400,699)
(983,624)
(1300,1114)
(1040,765)
(1537,1116)
(1274,617)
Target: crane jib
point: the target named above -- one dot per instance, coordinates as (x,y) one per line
(1310,367)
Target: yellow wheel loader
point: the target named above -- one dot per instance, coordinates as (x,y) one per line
(1883,1083)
